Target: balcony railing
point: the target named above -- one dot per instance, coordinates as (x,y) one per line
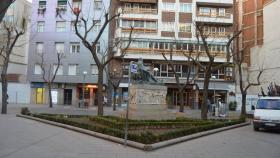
(214,15)
(139,11)
(217,34)
(177,52)
(139,30)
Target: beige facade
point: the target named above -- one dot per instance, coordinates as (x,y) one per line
(18,87)
(267,56)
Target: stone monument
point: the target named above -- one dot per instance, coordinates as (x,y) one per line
(147,97)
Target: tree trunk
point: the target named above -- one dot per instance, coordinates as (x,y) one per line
(50,95)
(181,101)
(114,99)
(100,98)
(243,107)
(4,94)
(4,85)
(204,108)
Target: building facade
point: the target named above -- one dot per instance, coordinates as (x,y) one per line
(259,37)
(163,25)
(18,86)
(53,32)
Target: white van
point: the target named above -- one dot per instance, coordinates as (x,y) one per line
(267,113)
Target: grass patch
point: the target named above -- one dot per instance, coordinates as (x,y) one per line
(142,131)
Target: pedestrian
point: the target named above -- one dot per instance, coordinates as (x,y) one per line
(208,105)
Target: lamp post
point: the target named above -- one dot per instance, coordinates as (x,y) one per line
(115,89)
(214,77)
(83,89)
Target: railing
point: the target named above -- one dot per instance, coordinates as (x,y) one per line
(217,34)
(139,30)
(214,15)
(178,52)
(139,11)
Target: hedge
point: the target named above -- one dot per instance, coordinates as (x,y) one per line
(144,137)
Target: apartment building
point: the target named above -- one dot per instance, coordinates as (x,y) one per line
(18,86)
(259,37)
(164,25)
(53,32)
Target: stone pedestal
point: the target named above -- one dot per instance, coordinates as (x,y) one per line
(149,102)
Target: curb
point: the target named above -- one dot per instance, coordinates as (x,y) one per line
(145,147)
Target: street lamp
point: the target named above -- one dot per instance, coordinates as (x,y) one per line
(155,70)
(214,77)
(83,89)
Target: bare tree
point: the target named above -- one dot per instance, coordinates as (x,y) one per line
(101,58)
(180,86)
(114,79)
(47,75)
(4,5)
(210,66)
(10,33)
(239,60)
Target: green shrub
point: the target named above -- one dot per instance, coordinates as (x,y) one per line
(232,106)
(25,111)
(114,127)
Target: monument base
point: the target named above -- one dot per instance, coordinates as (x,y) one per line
(148,102)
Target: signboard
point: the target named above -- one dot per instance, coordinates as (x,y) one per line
(133,68)
(54,96)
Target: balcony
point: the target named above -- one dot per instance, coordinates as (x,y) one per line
(220,54)
(217,34)
(216,2)
(139,30)
(214,18)
(139,10)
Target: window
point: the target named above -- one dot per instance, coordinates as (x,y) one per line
(151,25)
(94,70)
(59,70)
(222,12)
(139,24)
(75,48)
(59,47)
(168,26)
(127,23)
(204,11)
(97,4)
(146,6)
(42,4)
(73,69)
(168,6)
(39,47)
(127,5)
(186,7)
(40,26)
(60,26)
(222,31)
(184,27)
(97,25)
(62,4)
(73,25)
(37,69)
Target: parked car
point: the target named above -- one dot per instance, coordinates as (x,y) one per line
(267,113)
